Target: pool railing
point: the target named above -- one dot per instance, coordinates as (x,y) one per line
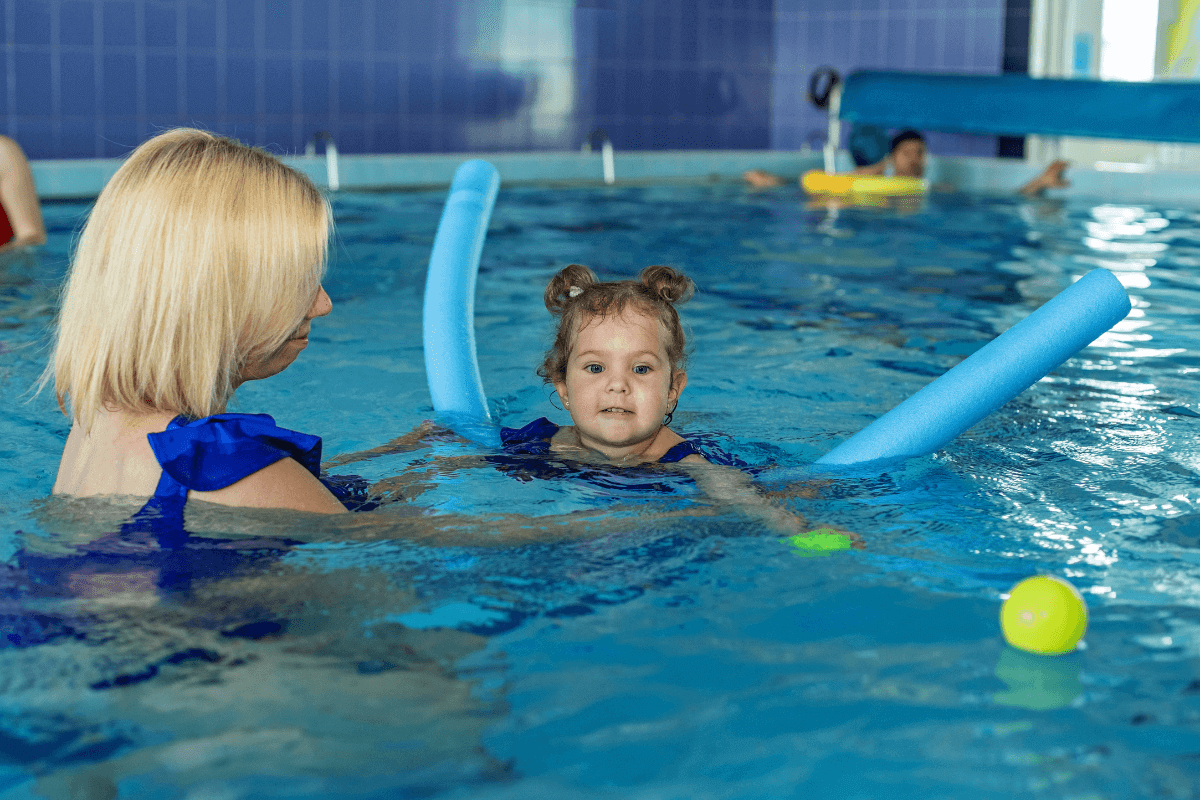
(84,178)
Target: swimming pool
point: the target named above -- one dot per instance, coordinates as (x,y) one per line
(454,644)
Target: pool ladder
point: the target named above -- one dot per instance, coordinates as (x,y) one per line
(606,153)
(331,158)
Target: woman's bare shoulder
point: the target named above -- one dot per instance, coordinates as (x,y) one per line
(284,484)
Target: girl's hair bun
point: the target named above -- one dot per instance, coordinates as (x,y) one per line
(666,283)
(558,291)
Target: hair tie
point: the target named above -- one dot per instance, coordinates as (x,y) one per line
(575,291)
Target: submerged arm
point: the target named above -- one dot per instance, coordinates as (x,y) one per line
(733,486)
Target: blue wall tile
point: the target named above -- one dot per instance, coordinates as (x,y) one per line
(76,23)
(928,45)
(201,26)
(79,92)
(277,85)
(32,23)
(408,74)
(868,52)
(278,28)
(314,24)
(36,138)
(896,53)
(314,85)
(388,27)
(120,90)
(241,86)
(352,26)
(161,23)
(119,137)
(955,33)
(31,72)
(351,137)
(386,88)
(162,85)
(120,24)
(239,24)
(277,137)
(78,137)
(201,84)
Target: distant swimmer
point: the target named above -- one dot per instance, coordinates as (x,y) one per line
(906,159)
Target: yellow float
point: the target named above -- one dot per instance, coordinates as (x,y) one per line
(817,182)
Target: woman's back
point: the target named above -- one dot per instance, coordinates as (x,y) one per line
(113,458)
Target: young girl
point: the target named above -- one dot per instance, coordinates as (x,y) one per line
(199,268)
(617,364)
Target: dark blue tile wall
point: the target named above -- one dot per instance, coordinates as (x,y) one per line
(962,36)
(88,79)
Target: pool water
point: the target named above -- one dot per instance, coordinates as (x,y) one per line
(491,635)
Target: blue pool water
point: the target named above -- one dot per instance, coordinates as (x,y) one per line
(485,636)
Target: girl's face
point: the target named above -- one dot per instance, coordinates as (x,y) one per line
(618,385)
(282,358)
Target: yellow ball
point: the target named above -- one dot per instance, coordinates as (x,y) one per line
(1044,615)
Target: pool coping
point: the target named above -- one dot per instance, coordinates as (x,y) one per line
(84,178)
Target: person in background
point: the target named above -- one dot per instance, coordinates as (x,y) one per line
(906,159)
(20,215)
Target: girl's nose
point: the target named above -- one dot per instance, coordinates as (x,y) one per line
(617,382)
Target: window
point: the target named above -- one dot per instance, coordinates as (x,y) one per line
(1128,34)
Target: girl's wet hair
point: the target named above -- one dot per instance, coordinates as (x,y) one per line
(577,297)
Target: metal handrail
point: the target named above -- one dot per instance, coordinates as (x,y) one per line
(331,157)
(607,161)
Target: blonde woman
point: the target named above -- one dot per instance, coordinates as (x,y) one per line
(199,268)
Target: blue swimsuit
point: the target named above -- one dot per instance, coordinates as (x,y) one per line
(534,439)
(211,453)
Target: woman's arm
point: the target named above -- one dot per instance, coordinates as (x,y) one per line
(1050,178)
(421,436)
(19,198)
(732,486)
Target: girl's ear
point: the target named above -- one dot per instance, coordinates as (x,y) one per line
(561,388)
(678,381)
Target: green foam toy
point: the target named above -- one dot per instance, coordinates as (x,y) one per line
(819,542)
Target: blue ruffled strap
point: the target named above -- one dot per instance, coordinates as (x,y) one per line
(705,449)
(681,451)
(533,439)
(213,452)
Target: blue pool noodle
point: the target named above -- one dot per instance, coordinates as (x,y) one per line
(449,316)
(993,375)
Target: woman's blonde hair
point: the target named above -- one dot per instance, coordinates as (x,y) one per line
(200,257)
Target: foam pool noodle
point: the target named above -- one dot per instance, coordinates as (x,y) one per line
(451,366)
(993,375)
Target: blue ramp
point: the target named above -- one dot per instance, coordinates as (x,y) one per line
(1016,105)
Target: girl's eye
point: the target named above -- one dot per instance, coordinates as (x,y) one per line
(641,369)
(595,369)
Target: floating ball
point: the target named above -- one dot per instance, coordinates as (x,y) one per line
(1044,615)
